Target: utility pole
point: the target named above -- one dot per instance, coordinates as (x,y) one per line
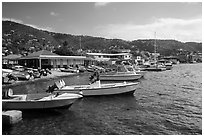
(155,46)
(80,45)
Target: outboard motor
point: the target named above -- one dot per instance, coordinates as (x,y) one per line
(51,88)
(7,94)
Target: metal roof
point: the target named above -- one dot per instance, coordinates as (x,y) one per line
(12,57)
(38,54)
(44,54)
(62,57)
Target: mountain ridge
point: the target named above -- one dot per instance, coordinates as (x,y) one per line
(20,38)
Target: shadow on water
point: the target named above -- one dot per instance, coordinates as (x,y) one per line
(41,114)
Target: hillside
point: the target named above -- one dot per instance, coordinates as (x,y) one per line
(19,38)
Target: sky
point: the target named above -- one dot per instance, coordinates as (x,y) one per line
(180,21)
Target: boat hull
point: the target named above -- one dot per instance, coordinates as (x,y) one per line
(104,89)
(38,104)
(141,73)
(70,70)
(169,67)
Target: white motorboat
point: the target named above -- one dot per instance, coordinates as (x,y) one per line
(167,63)
(39,101)
(124,73)
(155,67)
(97,88)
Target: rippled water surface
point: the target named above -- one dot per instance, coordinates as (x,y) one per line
(168,102)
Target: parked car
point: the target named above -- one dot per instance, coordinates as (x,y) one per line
(18,68)
(81,68)
(21,75)
(36,73)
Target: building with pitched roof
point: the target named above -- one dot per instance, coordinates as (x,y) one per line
(46,59)
(11,59)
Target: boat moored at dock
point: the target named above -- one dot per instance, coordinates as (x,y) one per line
(97,89)
(123,73)
(39,101)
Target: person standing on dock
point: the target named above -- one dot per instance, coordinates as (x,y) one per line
(95,78)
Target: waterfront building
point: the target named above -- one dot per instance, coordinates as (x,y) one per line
(195,57)
(46,59)
(10,60)
(108,57)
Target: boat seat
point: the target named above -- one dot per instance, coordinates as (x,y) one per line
(60,84)
(46,98)
(95,84)
(24,97)
(35,96)
(68,87)
(21,97)
(79,87)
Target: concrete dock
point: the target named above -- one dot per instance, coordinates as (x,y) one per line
(11,117)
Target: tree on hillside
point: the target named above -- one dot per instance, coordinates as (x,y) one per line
(63,50)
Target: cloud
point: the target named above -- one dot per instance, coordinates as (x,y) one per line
(53,13)
(28,17)
(31,25)
(166,28)
(100,4)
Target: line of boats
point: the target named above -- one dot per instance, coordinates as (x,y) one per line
(61,95)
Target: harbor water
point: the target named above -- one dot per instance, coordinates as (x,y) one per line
(165,103)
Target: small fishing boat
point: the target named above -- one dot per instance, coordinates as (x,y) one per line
(155,66)
(96,89)
(123,73)
(167,63)
(70,69)
(38,101)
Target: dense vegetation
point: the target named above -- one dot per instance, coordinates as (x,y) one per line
(21,39)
